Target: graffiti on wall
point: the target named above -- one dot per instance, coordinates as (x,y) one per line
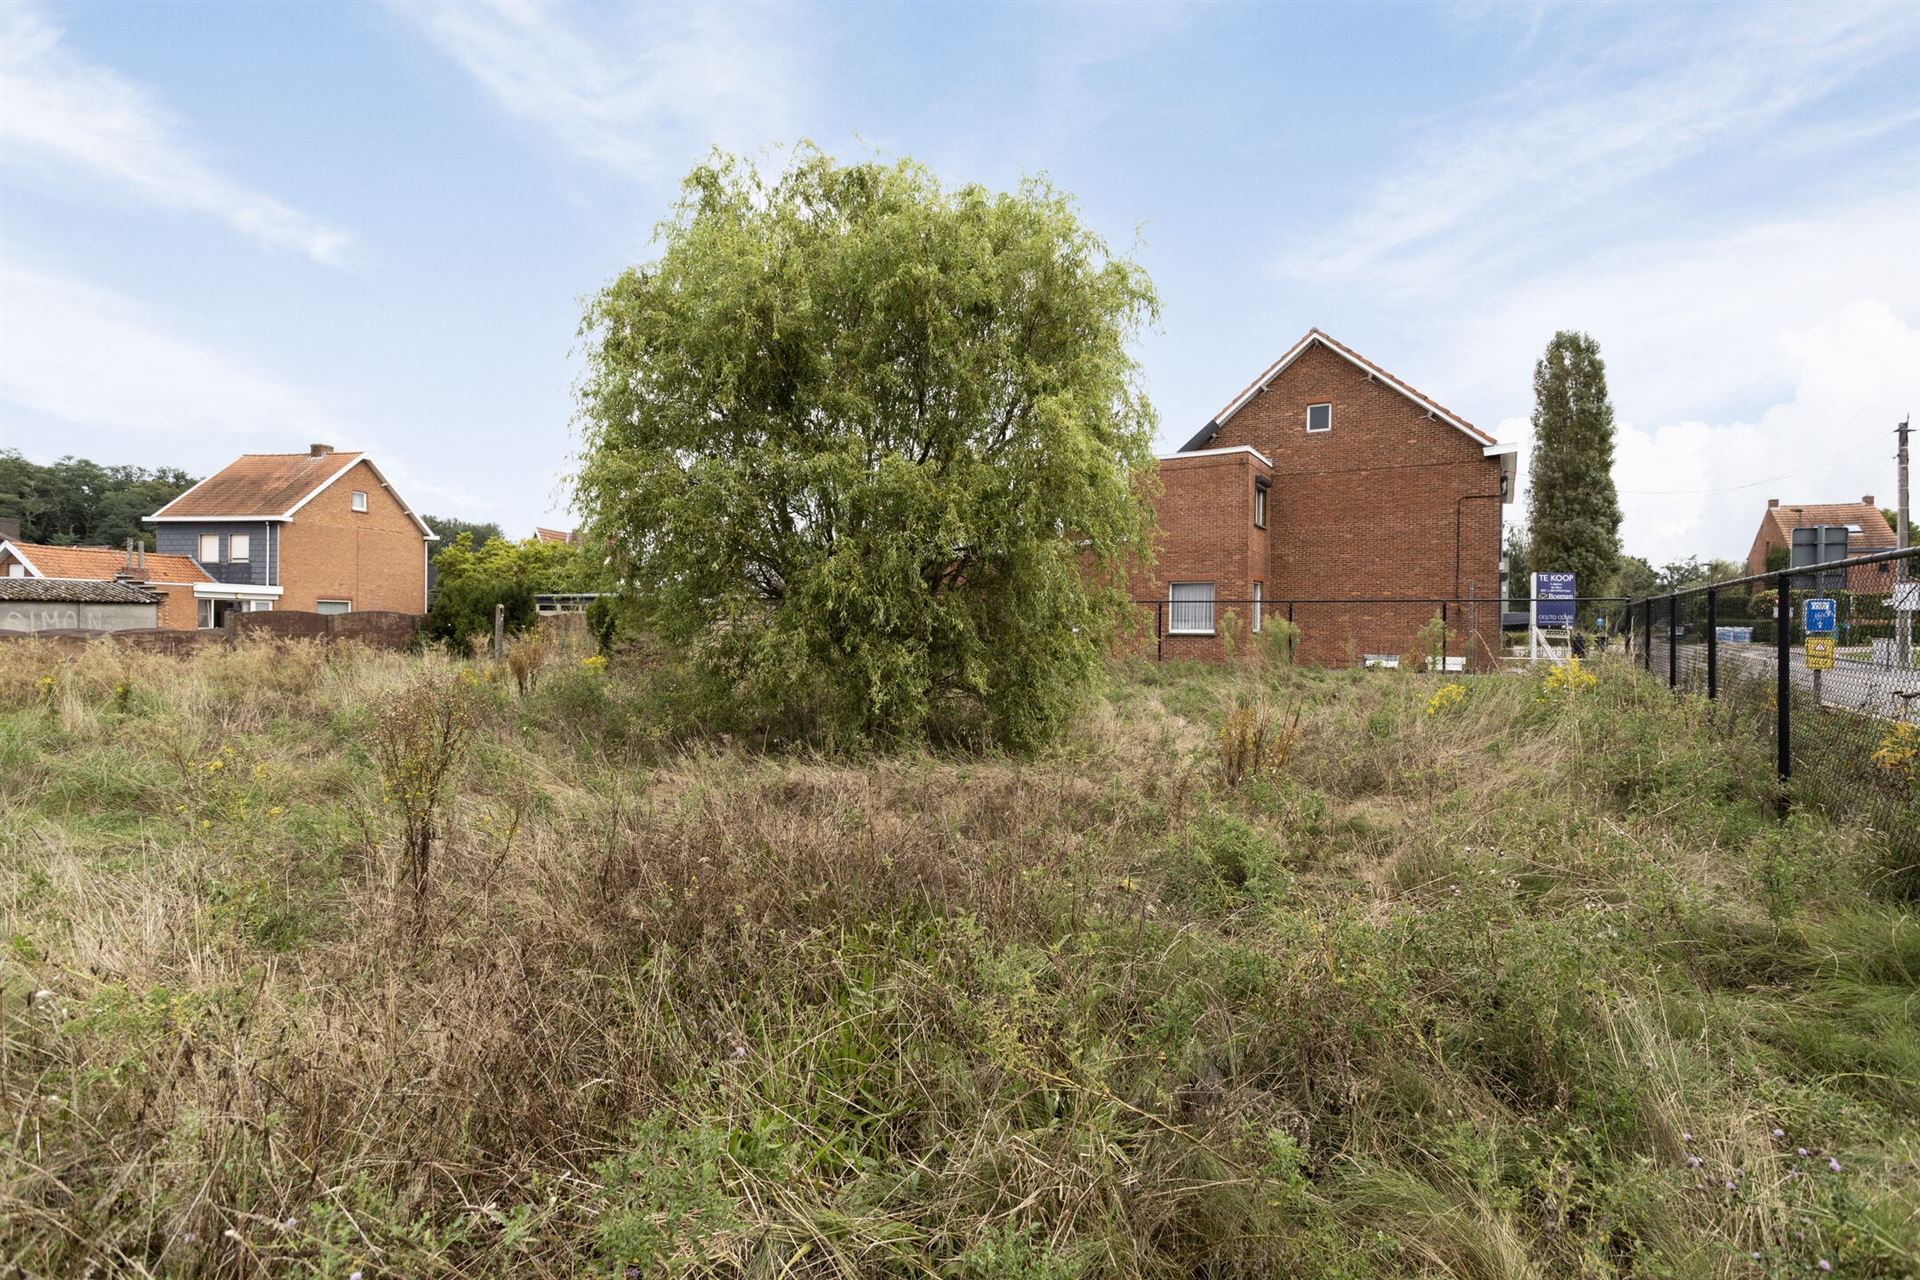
(30,616)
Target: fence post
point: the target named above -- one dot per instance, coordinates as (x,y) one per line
(1783,687)
(1673,641)
(499,632)
(1713,644)
(1443,636)
(1646,659)
(1160,631)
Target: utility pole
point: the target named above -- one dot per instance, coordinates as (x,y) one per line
(1902,569)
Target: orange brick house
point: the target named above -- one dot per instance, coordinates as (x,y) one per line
(320,531)
(1333,493)
(1866,529)
(172,578)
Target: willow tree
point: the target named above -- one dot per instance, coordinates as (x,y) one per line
(1573,512)
(867,450)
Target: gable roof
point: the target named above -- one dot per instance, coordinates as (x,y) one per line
(568,536)
(272,486)
(1312,338)
(100,564)
(1875,534)
(72,591)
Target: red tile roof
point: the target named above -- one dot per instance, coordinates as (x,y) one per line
(256,485)
(100,564)
(568,536)
(1875,533)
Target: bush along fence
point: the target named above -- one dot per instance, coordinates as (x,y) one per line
(1825,665)
(1439,633)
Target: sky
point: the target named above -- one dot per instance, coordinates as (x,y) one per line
(232,228)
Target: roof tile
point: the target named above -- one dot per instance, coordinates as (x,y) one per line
(257,485)
(100,564)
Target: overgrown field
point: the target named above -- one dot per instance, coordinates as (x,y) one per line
(1295,974)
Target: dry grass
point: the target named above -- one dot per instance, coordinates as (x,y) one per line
(1433,998)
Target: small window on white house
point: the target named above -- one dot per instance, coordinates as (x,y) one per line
(1319,417)
(209,550)
(1259,506)
(1256,608)
(1190,608)
(240,548)
(359,500)
(333,606)
(206,613)
(259,606)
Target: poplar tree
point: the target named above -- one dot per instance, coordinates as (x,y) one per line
(1573,509)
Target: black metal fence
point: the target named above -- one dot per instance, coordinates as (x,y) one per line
(1437,633)
(1842,715)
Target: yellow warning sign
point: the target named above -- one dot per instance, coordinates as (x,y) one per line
(1819,653)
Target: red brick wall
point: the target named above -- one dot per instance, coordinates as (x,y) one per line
(1367,509)
(375,559)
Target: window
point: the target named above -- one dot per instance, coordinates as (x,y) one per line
(1259,504)
(333,606)
(259,606)
(240,548)
(206,613)
(359,500)
(16,570)
(1256,608)
(209,548)
(1190,610)
(1319,417)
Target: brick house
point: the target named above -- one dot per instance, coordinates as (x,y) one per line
(320,531)
(172,579)
(1331,492)
(1867,531)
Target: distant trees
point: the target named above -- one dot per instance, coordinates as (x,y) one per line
(868,451)
(447,528)
(470,580)
(1573,516)
(74,502)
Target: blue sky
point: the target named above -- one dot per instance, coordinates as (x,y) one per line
(229,228)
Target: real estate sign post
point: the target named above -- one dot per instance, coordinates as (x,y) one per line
(1551,606)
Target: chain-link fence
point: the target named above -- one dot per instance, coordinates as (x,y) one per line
(1839,701)
(1450,633)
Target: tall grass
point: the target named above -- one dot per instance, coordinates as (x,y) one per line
(1515,982)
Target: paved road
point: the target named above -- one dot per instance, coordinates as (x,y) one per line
(1855,686)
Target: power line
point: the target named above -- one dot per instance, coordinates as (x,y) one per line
(1830,461)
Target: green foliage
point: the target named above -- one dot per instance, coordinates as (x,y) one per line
(867,449)
(1573,517)
(1519,553)
(74,502)
(471,580)
(447,529)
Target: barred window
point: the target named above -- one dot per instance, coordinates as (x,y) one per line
(1190,610)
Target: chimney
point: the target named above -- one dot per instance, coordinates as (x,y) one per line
(128,572)
(1868,499)
(1772,503)
(319,450)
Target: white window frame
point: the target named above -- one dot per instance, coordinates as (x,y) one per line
(1260,504)
(1320,431)
(360,501)
(16,570)
(204,613)
(239,548)
(1256,607)
(347,606)
(1175,606)
(259,606)
(203,557)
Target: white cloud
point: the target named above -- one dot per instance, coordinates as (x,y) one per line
(642,93)
(88,357)
(65,116)
(1527,169)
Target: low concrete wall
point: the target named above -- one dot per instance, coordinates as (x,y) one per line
(380,630)
(34,617)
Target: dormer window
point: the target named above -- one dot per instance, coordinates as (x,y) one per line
(1319,418)
(359,500)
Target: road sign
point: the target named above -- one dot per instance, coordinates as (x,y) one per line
(1553,599)
(1820,653)
(1819,617)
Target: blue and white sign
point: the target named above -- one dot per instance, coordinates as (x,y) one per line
(1553,600)
(1818,617)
